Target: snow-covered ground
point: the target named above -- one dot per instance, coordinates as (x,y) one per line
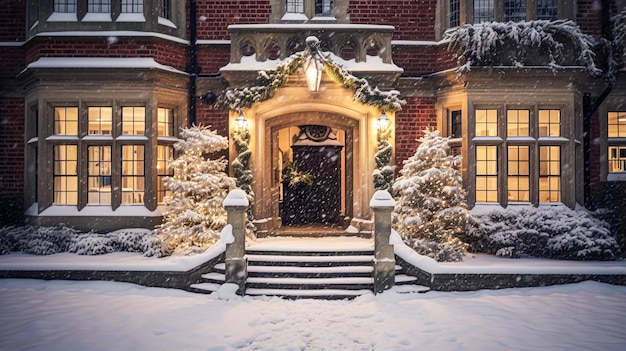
(62,315)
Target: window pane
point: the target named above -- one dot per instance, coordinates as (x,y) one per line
(483,11)
(455,13)
(132,6)
(132,174)
(518,174)
(547,9)
(99,175)
(617,158)
(165,154)
(166,9)
(133,120)
(455,124)
(549,123)
(165,123)
(324,8)
(486,173)
(549,173)
(518,122)
(100,120)
(66,120)
(514,10)
(486,122)
(294,6)
(617,124)
(65,6)
(65,187)
(99,6)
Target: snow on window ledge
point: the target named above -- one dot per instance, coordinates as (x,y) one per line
(323,19)
(166,22)
(62,138)
(290,16)
(99,211)
(63,17)
(616,177)
(130,17)
(97,17)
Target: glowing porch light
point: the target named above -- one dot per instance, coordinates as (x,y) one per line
(383,121)
(313,66)
(241,121)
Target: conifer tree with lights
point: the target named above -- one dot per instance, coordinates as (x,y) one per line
(194,214)
(384,172)
(431,213)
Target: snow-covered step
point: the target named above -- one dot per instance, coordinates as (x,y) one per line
(404,279)
(309,261)
(348,283)
(310,293)
(206,288)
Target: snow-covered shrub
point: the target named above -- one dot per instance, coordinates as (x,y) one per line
(51,240)
(91,244)
(35,240)
(194,215)
(534,43)
(430,211)
(551,232)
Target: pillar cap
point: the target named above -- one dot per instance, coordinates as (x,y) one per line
(382,199)
(236,198)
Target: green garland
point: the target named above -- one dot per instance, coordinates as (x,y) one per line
(268,81)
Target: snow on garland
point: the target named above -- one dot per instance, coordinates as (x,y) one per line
(521,43)
(268,81)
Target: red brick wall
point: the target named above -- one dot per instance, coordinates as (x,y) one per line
(413,20)
(212,58)
(12,145)
(416,60)
(214,17)
(416,115)
(13,20)
(589,16)
(11,61)
(209,115)
(167,53)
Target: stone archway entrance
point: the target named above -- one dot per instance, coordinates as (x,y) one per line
(335,157)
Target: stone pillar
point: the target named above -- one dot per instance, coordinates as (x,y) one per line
(235,205)
(384,258)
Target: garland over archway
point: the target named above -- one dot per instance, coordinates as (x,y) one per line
(268,81)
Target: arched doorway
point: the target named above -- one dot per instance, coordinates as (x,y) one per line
(341,146)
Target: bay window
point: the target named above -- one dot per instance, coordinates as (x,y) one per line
(518,154)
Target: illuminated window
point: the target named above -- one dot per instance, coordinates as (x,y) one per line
(133,120)
(99,6)
(99,175)
(486,122)
(486,173)
(65,6)
(165,122)
(294,6)
(518,173)
(132,174)
(549,123)
(65,174)
(484,11)
(66,120)
(549,173)
(100,120)
(518,122)
(617,141)
(617,124)
(165,154)
(132,6)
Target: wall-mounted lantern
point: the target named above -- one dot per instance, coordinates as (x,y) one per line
(313,66)
(241,121)
(383,121)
